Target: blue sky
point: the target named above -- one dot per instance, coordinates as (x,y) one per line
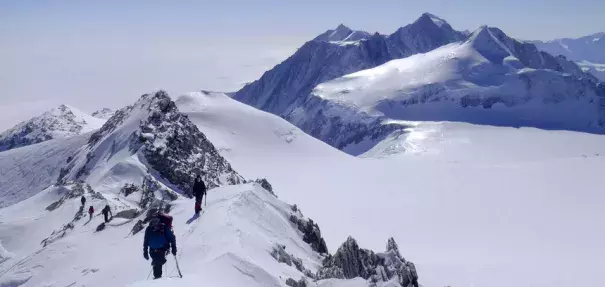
(529,19)
(91,54)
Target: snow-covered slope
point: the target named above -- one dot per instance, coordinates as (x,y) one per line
(229,245)
(243,133)
(28,170)
(284,87)
(60,122)
(488,79)
(470,204)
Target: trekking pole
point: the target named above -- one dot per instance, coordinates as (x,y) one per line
(177,266)
(206,200)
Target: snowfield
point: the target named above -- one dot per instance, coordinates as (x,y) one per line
(470,204)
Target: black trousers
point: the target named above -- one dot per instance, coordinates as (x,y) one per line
(198,204)
(106,215)
(158,259)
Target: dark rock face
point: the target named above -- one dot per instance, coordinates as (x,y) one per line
(128,189)
(293,283)
(311,232)
(264,183)
(350,261)
(171,145)
(128,214)
(185,151)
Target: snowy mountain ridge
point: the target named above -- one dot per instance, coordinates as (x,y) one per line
(587,51)
(296,88)
(342,33)
(61,122)
(140,161)
(589,48)
(150,136)
(286,86)
(488,79)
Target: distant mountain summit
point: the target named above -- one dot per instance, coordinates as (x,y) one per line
(157,136)
(342,33)
(60,122)
(352,95)
(339,52)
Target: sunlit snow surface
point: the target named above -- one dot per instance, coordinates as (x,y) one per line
(472,205)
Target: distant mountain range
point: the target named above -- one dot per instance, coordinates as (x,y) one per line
(587,51)
(329,89)
(61,122)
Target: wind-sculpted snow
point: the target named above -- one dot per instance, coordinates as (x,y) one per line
(61,122)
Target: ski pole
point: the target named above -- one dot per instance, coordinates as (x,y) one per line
(177,266)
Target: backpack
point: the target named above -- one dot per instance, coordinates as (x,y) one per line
(165,219)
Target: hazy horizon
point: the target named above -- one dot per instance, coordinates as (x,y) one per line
(92,55)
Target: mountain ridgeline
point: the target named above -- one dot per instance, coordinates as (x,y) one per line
(334,54)
(329,87)
(163,139)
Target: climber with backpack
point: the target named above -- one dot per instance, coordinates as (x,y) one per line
(83,200)
(198,190)
(91,211)
(106,212)
(159,239)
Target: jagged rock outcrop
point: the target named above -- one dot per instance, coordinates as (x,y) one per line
(264,183)
(310,230)
(166,141)
(351,261)
(279,253)
(104,113)
(293,283)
